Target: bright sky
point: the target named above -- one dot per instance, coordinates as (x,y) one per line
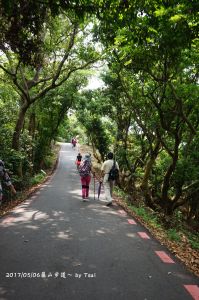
(94,83)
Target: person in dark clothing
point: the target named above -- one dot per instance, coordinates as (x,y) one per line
(78,160)
(6,179)
(73,142)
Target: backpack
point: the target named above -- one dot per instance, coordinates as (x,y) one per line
(114,172)
(84,169)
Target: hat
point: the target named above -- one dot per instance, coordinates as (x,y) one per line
(110,155)
(87,157)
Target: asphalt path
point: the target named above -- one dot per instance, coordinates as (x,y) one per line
(55,246)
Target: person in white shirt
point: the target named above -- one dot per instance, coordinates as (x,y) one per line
(108,184)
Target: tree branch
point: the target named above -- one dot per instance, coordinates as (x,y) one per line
(6,71)
(71,43)
(53,85)
(193,130)
(163,143)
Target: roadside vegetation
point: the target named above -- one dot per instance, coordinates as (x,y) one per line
(181,239)
(180,236)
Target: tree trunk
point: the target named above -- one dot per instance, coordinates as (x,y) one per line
(32,125)
(31,129)
(144,185)
(16,137)
(149,165)
(167,203)
(19,126)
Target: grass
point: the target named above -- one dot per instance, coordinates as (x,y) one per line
(38,178)
(194,244)
(149,218)
(173,234)
(193,240)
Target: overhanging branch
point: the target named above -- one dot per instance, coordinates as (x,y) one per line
(53,85)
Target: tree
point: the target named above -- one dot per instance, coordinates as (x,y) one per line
(65,52)
(23,23)
(50,114)
(89,112)
(155,47)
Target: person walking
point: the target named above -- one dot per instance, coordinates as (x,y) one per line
(85,174)
(107,181)
(5,178)
(78,160)
(74,142)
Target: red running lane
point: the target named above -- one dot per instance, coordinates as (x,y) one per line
(164,257)
(131,221)
(7,220)
(193,290)
(122,212)
(144,235)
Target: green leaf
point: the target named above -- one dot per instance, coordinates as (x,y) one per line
(128,62)
(160,12)
(176,18)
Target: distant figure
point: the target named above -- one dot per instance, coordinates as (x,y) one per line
(85,174)
(5,178)
(78,160)
(108,176)
(73,142)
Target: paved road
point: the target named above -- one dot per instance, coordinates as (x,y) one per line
(54,246)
